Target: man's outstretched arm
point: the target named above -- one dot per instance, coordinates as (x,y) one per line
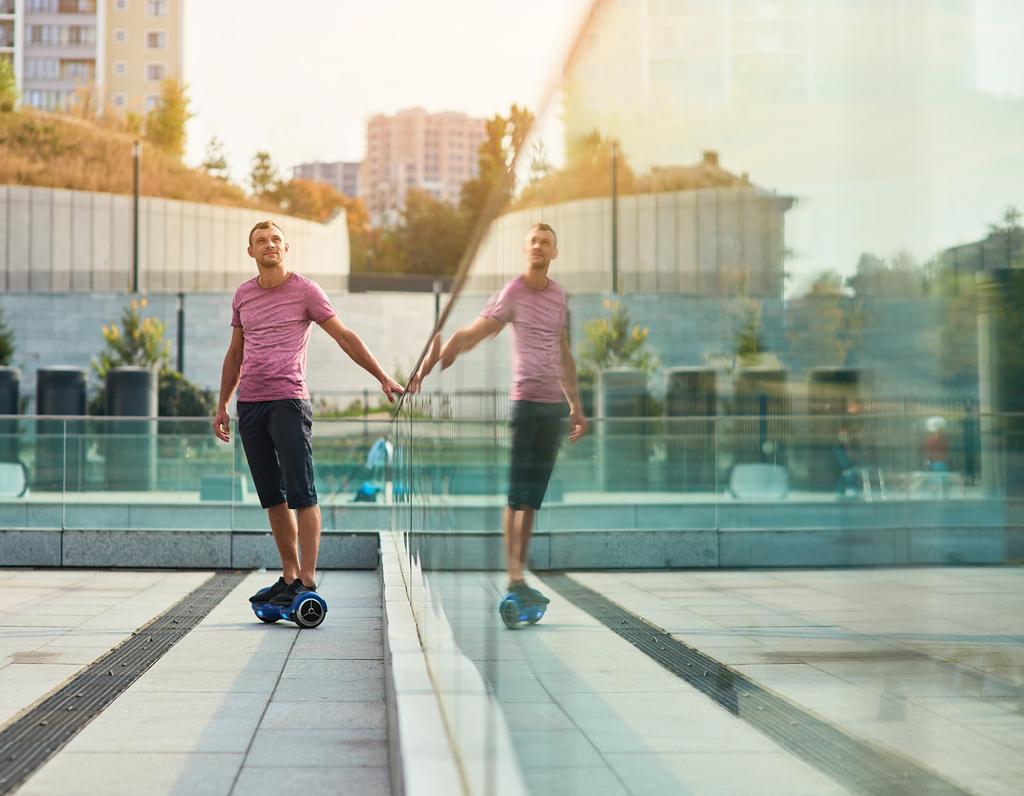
(229,375)
(468,337)
(353,345)
(465,339)
(570,388)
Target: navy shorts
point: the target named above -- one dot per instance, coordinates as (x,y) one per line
(278,440)
(536,435)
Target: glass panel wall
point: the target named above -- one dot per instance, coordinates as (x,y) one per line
(790,242)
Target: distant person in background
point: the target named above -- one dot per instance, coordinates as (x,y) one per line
(936,446)
(544,389)
(271,315)
(378,462)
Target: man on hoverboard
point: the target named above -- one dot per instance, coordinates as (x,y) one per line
(543,381)
(271,316)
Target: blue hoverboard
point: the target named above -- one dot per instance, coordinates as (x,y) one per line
(517,613)
(307,610)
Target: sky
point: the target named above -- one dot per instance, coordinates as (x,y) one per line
(999,30)
(301,83)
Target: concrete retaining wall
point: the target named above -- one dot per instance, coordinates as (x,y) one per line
(56,240)
(708,241)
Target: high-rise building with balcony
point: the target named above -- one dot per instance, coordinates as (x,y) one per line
(413,149)
(342,176)
(10,38)
(116,51)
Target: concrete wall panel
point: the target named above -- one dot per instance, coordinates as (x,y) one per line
(57,240)
(18,212)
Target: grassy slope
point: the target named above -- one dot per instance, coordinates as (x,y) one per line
(44,149)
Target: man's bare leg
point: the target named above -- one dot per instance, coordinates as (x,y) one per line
(286,531)
(309,543)
(518,530)
(526,517)
(513,556)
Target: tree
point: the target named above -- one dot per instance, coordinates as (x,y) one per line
(613,342)
(1010,229)
(587,173)
(165,124)
(540,165)
(361,234)
(496,157)
(215,161)
(958,335)
(747,343)
(6,342)
(180,397)
(84,102)
(821,325)
(900,276)
(140,343)
(432,235)
(379,252)
(316,201)
(263,177)
(8,86)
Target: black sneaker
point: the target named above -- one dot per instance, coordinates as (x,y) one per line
(537,597)
(293,590)
(266,594)
(526,595)
(519,589)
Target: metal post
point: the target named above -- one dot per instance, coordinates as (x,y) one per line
(615,221)
(136,157)
(437,301)
(181,333)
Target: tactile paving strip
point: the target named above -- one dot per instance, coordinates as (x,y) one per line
(38,735)
(853,763)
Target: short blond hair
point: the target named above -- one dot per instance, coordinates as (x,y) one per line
(265,225)
(545,228)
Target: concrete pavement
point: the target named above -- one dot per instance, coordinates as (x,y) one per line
(925,665)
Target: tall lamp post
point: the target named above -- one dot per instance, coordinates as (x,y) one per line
(181,333)
(136,160)
(615,221)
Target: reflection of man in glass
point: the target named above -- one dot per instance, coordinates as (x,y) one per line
(266,361)
(543,380)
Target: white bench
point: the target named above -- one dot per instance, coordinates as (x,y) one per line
(759,482)
(13,479)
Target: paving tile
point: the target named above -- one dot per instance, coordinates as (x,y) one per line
(317,747)
(333,671)
(550,748)
(369,714)
(721,774)
(576,781)
(914,661)
(133,773)
(361,780)
(192,733)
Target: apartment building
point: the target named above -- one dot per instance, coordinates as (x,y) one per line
(142,45)
(414,149)
(10,32)
(118,50)
(342,175)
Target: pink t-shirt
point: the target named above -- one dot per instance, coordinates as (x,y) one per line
(538,318)
(276,323)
